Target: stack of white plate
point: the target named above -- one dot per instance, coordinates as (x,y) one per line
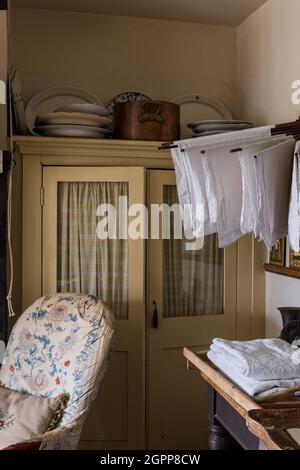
(75,120)
(203,128)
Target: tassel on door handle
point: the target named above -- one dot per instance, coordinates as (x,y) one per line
(155,317)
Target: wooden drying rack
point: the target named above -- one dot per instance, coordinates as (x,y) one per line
(288,128)
(268,419)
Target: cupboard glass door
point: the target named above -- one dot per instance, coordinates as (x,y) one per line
(191,300)
(78,257)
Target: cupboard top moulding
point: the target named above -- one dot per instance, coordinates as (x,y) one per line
(94,152)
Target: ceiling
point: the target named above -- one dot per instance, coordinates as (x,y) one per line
(218,12)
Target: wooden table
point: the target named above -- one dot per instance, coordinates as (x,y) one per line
(236,420)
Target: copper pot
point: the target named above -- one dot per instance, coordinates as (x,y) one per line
(146,120)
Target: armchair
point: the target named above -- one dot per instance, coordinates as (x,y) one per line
(61,344)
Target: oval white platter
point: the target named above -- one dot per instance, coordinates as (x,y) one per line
(85,108)
(204,134)
(220,126)
(73,131)
(49,100)
(80,119)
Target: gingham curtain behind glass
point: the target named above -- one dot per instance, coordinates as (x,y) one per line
(85,263)
(193,281)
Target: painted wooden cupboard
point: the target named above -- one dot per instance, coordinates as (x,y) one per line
(163,296)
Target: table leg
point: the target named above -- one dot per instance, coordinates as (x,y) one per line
(219,438)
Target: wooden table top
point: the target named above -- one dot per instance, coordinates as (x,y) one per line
(268,418)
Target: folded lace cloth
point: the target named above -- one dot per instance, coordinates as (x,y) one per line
(255,388)
(262,359)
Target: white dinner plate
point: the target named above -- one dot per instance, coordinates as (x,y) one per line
(194,124)
(80,119)
(17,101)
(85,108)
(73,131)
(204,134)
(51,99)
(205,126)
(199,107)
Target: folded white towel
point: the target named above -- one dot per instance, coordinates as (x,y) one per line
(263,359)
(254,388)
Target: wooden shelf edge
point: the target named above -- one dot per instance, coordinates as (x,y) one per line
(282,271)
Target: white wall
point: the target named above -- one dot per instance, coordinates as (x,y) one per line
(281,291)
(268,45)
(111,54)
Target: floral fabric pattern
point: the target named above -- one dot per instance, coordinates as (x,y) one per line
(6,420)
(61,344)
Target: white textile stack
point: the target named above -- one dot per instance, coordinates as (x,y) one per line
(261,367)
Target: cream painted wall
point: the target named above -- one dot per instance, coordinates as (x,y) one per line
(268,42)
(111,54)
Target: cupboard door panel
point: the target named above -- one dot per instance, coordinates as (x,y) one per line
(195,295)
(74,258)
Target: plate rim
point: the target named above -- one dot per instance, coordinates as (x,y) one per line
(205,127)
(65,115)
(52,92)
(218,122)
(204,99)
(73,127)
(105,110)
(18,104)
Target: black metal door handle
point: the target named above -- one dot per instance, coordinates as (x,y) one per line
(155,317)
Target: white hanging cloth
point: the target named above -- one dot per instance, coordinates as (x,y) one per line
(192,176)
(193,191)
(227,176)
(224,172)
(273,173)
(250,202)
(294,214)
(183,188)
(234,187)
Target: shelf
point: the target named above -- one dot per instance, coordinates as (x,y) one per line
(281,270)
(93,152)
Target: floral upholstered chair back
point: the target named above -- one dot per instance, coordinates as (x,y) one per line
(61,344)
